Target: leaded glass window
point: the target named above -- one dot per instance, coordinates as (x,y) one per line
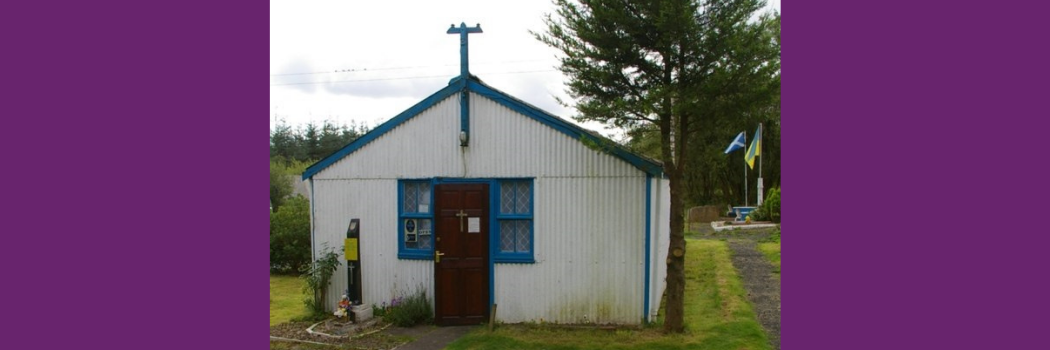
(515,221)
(515,236)
(515,197)
(416,197)
(415,220)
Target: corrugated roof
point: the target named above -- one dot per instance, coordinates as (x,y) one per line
(473,84)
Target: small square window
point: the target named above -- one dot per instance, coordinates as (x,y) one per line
(415,220)
(416,197)
(515,222)
(420,236)
(515,236)
(515,197)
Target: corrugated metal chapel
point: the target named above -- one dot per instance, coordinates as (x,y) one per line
(482,199)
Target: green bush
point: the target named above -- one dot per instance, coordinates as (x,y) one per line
(280,185)
(770,209)
(290,236)
(317,279)
(407,311)
(379,311)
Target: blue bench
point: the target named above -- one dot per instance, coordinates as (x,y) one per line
(742,212)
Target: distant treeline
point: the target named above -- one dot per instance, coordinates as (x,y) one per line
(292,149)
(310,142)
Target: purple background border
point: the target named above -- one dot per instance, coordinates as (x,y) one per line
(136,135)
(908,128)
(134,138)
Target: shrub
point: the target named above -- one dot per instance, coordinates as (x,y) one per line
(290,236)
(280,185)
(770,209)
(317,279)
(379,311)
(406,311)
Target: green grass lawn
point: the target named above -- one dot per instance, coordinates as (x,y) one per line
(772,252)
(286,299)
(717,316)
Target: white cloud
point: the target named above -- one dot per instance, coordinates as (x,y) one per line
(382,48)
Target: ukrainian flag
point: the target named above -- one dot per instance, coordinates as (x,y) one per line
(755,150)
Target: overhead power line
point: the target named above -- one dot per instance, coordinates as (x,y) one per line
(407,78)
(362,70)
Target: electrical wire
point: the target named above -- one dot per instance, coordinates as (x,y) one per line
(362,70)
(407,78)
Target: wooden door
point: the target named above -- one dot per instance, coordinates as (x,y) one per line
(461,256)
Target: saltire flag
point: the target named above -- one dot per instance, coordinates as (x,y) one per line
(738,143)
(755,150)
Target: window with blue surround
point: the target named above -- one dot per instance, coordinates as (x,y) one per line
(415,220)
(514,220)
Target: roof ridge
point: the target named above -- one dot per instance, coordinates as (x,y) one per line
(475,85)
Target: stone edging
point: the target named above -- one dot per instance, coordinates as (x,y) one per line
(311,330)
(719,226)
(296,340)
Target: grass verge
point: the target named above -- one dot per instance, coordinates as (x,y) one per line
(772,252)
(286,299)
(717,316)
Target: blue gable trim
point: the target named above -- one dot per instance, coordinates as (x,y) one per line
(570,129)
(473,84)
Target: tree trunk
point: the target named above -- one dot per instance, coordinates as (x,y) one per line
(674,323)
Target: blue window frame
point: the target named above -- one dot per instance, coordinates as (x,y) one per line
(415,219)
(514,227)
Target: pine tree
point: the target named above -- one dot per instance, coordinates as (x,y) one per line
(634,64)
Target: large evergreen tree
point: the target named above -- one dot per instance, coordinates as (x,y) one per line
(665,65)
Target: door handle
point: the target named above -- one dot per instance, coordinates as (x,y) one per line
(437,256)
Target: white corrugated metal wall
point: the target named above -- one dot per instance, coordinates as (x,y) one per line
(589,227)
(661,231)
(589,255)
(374,201)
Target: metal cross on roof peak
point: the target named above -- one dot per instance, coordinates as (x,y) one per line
(464,74)
(463,30)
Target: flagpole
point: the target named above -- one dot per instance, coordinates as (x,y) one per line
(758,152)
(745,168)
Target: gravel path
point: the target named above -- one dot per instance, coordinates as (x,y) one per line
(763,289)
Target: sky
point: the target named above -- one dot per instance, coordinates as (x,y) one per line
(363,62)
